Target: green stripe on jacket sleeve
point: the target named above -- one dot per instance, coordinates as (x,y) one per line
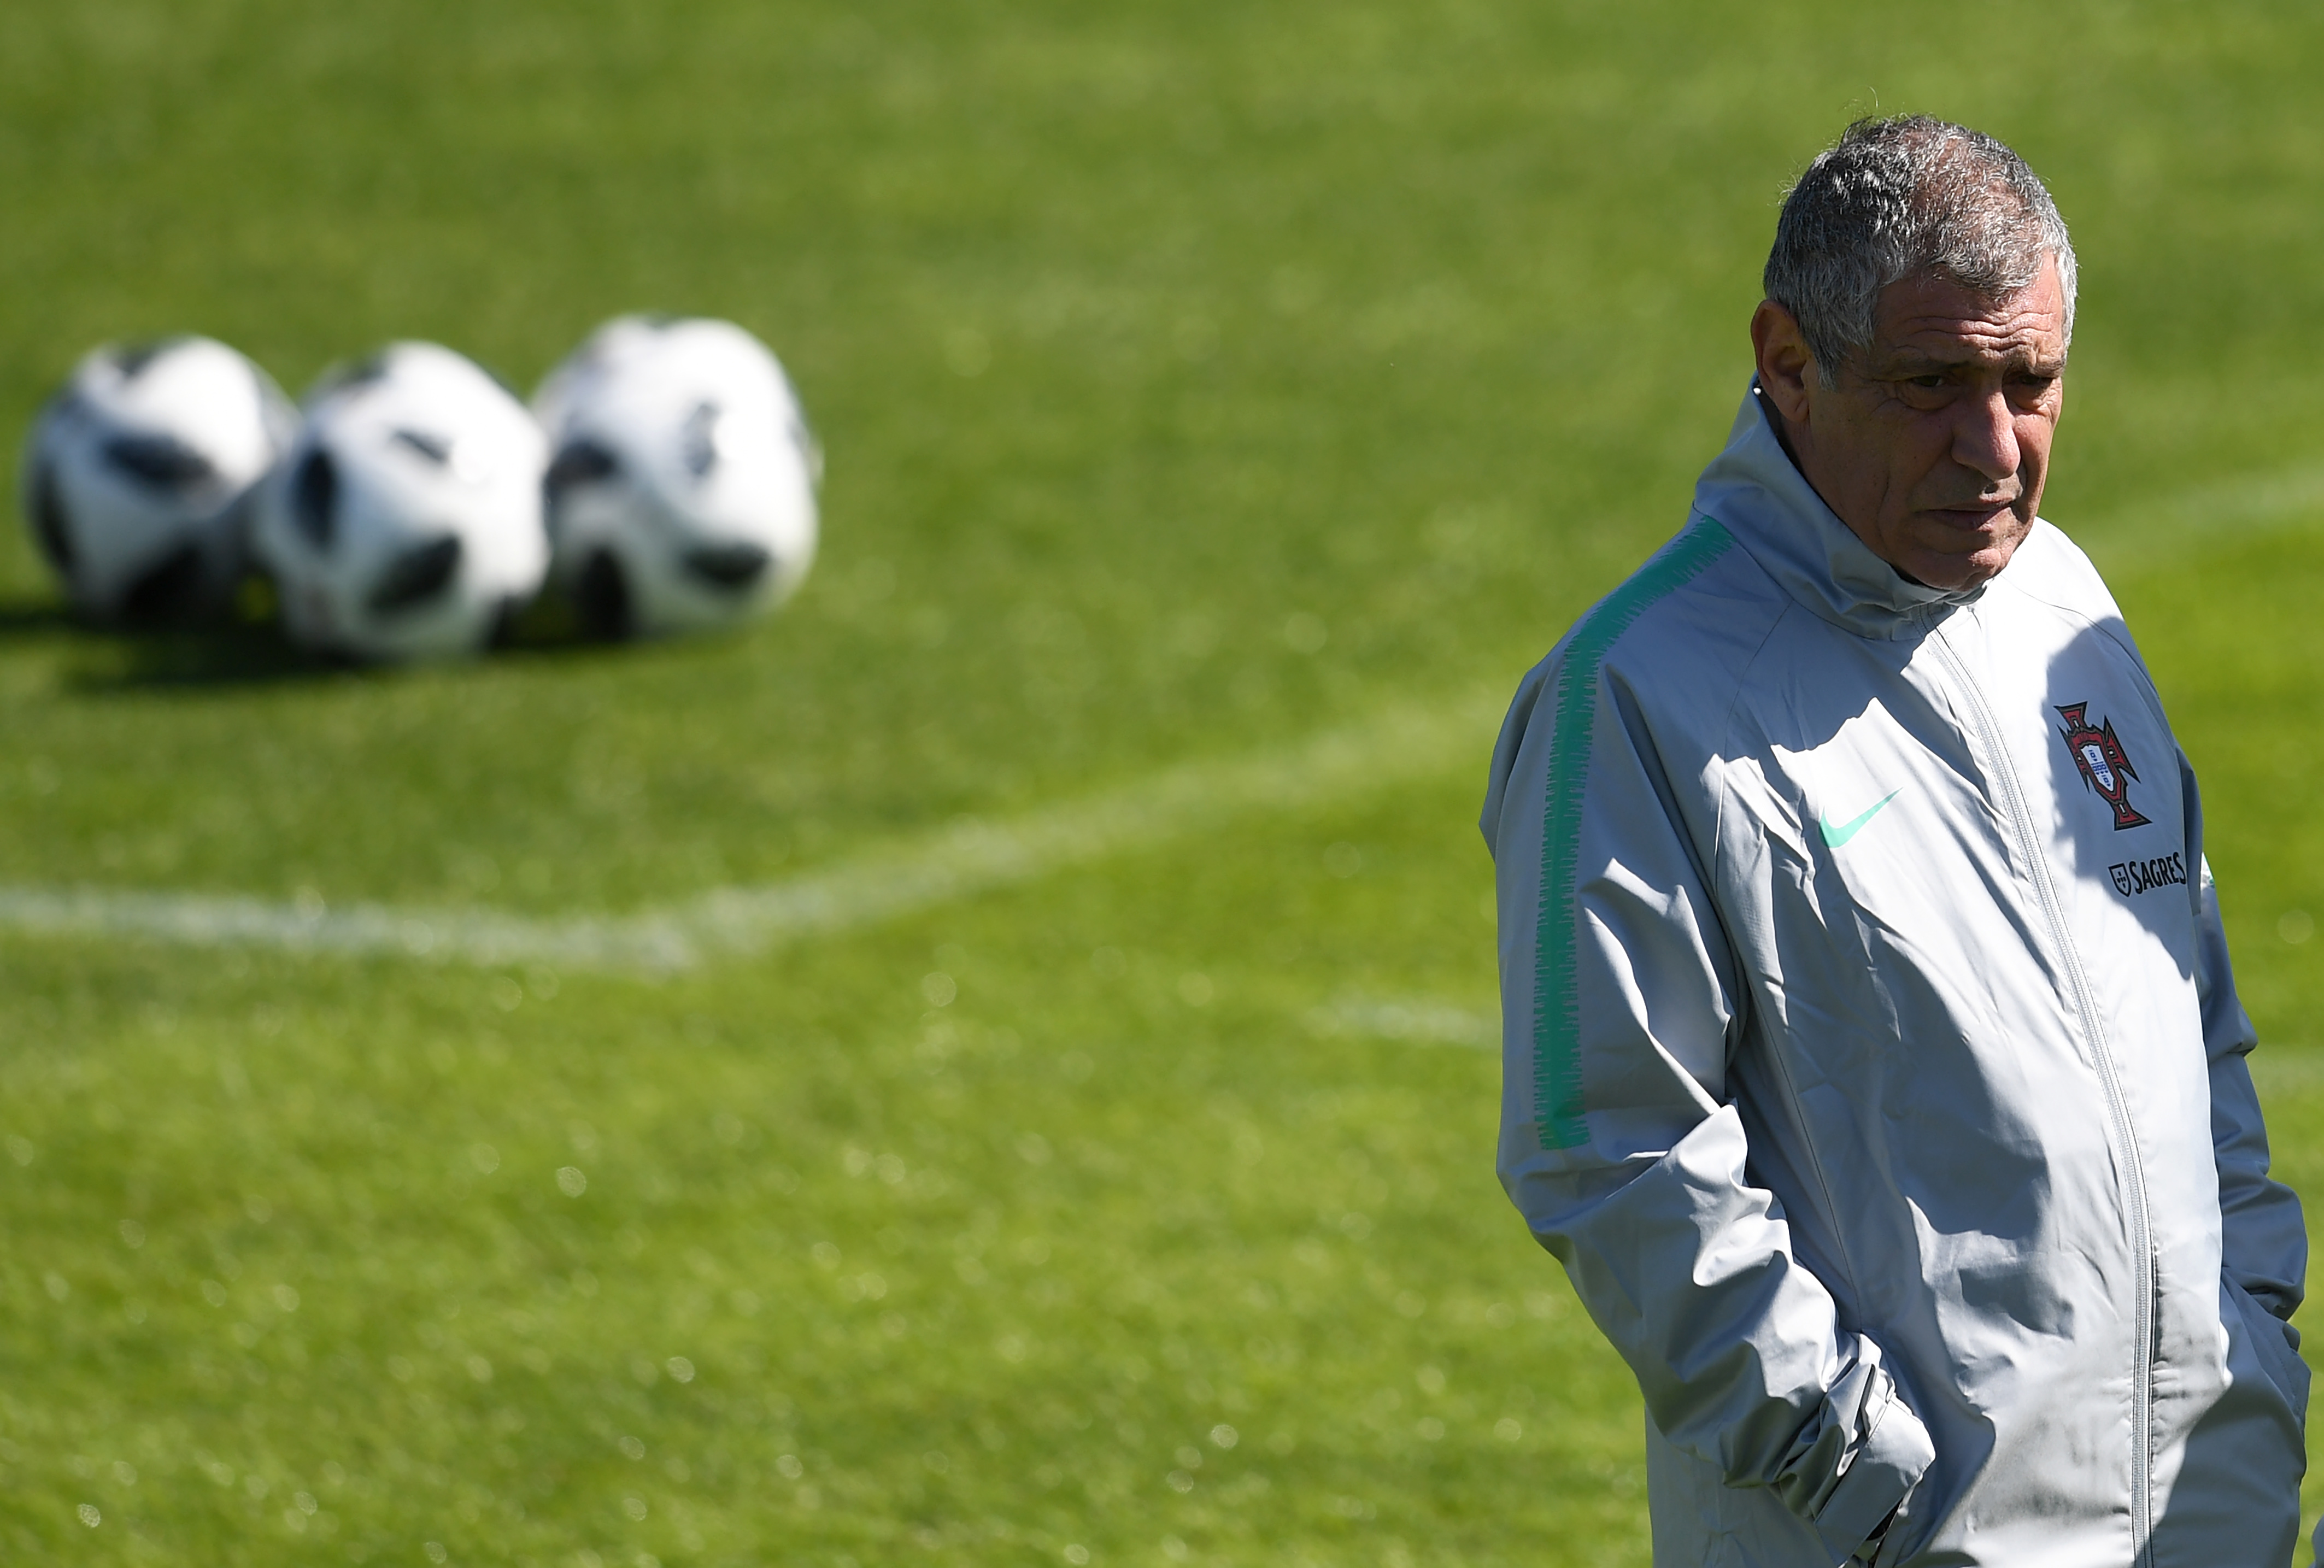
(1557,1087)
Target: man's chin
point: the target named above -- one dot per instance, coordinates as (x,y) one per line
(1959,574)
(1957,570)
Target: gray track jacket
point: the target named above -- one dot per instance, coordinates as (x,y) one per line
(1873,1064)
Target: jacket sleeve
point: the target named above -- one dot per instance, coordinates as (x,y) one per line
(2264,1239)
(1618,1005)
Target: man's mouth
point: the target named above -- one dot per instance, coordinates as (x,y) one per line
(1976,516)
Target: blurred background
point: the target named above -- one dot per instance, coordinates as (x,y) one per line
(1223,406)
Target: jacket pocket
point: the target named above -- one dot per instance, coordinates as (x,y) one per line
(2272,1342)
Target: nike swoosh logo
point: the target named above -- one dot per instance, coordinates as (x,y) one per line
(1833,837)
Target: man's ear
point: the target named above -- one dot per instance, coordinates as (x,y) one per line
(1785,365)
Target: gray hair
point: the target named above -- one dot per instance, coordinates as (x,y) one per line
(1898,199)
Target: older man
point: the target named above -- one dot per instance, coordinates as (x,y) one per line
(1873,1064)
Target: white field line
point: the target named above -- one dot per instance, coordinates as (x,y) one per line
(2187,520)
(2280,1068)
(1417,1020)
(953,862)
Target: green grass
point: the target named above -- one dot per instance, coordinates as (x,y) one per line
(1132,334)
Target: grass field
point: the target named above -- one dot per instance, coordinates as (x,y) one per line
(1196,381)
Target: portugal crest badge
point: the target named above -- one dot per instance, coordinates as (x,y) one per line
(2106,766)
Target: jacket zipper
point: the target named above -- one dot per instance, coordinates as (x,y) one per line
(2021,821)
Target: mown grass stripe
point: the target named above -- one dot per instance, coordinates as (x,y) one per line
(1557,1087)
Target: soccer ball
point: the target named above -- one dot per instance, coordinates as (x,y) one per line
(682,491)
(406,522)
(137,472)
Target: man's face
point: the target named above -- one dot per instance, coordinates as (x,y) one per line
(1932,445)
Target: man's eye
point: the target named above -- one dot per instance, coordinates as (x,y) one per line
(1926,382)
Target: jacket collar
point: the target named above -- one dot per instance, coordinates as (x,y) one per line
(1757,494)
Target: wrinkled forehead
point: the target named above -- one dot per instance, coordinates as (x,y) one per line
(1933,317)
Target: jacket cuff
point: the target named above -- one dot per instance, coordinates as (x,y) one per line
(1889,1463)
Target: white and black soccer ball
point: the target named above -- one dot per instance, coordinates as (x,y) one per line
(137,474)
(406,522)
(682,491)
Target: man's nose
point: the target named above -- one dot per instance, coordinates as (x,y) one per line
(1985,437)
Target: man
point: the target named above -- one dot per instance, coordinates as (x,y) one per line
(1873,1064)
